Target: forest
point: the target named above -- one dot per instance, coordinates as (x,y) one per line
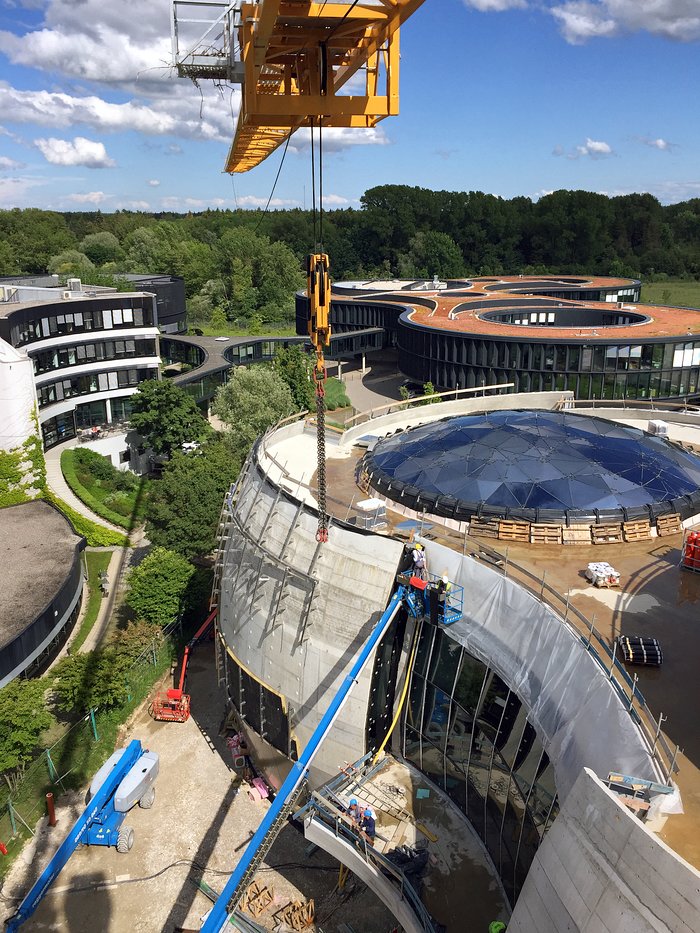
(243,266)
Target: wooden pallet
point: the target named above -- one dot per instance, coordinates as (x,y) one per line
(484,527)
(637,531)
(514,531)
(545,534)
(576,535)
(607,534)
(257,898)
(296,914)
(668,525)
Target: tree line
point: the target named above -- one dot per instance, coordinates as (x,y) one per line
(245,265)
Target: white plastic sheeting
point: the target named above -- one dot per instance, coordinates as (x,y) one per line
(576,711)
(17,397)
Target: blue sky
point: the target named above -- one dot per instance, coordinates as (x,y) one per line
(511,97)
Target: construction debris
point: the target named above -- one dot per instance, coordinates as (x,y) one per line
(257,898)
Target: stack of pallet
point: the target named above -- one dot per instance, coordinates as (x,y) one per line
(637,531)
(610,533)
(668,525)
(576,534)
(640,649)
(545,534)
(514,531)
(484,527)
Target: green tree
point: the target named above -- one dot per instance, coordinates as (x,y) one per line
(294,366)
(157,586)
(184,505)
(71,262)
(166,416)
(254,398)
(23,719)
(101,248)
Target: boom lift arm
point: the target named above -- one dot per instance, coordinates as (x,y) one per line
(218,918)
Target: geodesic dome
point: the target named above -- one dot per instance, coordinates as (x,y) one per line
(537,466)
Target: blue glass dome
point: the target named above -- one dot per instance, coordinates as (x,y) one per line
(535,465)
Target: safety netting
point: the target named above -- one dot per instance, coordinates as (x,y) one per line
(535,466)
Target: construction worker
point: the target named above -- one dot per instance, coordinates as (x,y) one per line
(355,811)
(444,588)
(368,826)
(420,564)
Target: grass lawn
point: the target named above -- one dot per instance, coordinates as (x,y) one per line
(96,561)
(236,330)
(679,293)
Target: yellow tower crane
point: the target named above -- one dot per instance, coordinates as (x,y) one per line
(294,60)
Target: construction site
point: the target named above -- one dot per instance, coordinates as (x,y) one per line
(447,679)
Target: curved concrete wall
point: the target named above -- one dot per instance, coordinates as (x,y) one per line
(295,613)
(599,869)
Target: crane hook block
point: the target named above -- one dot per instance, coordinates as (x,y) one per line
(319,293)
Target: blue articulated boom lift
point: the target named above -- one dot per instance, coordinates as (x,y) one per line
(274,820)
(126,778)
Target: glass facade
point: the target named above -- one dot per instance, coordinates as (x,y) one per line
(82,353)
(85,384)
(41,324)
(470,735)
(663,370)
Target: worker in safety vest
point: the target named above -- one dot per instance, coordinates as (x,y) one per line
(444,588)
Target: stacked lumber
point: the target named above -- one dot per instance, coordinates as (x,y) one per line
(607,534)
(544,533)
(484,527)
(297,915)
(576,535)
(257,898)
(668,525)
(637,530)
(514,531)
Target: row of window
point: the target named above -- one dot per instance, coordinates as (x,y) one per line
(77,322)
(82,353)
(469,733)
(569,358)
(92,382)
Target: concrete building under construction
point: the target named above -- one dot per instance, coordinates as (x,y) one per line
(518,717)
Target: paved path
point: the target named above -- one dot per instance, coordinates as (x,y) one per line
(378,386)
(54,477)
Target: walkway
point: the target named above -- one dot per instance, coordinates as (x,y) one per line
(56,481)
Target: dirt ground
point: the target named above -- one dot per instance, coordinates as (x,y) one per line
(197,829)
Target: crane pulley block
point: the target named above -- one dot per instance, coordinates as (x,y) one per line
(318,286)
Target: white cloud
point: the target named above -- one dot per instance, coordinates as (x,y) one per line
(580,20)
(335,200)
(153,182)
(7,164)
(337,138)
(50,108)
(91,197)
(15,191)
(663,145)
(193,204)
(80,151)
(253,202)
(594,148)
(495,6)
(133,206)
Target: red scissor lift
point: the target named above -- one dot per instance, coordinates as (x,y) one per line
(173,705)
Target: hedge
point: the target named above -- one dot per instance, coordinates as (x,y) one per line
(99,508)
(96,535)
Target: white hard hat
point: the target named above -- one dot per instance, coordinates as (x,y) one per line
(445,578)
